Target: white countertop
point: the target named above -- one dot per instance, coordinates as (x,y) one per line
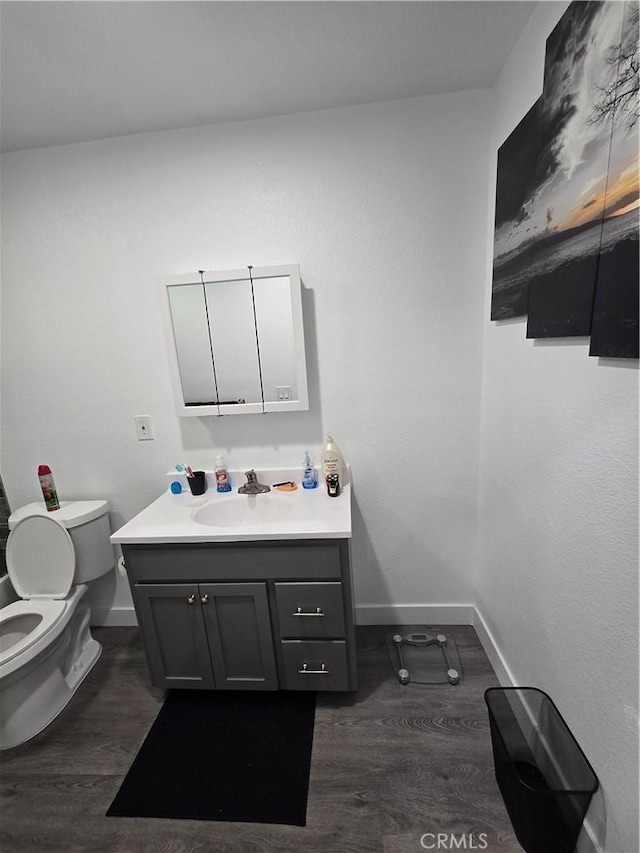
(302,514)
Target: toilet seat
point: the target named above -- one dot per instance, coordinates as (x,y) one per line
(51,612)
(41,558)
(41,564)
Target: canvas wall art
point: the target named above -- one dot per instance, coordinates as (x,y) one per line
(566,235)
(614,327)
(517,159)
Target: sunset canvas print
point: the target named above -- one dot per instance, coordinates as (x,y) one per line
(572,169)
(614,328)
(517,159)
(566,228)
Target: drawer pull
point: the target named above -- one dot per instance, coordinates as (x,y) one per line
(301,612)
(205,599)
(306,671)
(191,599)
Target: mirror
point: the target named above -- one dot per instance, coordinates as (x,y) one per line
(235,341)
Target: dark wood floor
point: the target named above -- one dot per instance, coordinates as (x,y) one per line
(389,764)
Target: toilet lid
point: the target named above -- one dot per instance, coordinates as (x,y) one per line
(40,558)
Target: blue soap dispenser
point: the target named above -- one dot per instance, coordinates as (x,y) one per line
(309,479)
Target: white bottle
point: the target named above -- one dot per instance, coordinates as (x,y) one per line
(332,462)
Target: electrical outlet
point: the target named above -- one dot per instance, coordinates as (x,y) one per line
(283,392)
(143,427)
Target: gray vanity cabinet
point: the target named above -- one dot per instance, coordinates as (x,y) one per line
(255,615)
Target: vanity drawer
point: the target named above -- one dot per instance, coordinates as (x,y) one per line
(233,561)
(310,609)
(315,665)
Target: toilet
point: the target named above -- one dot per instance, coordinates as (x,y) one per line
(46,647)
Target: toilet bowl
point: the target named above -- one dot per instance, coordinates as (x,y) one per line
(46,647)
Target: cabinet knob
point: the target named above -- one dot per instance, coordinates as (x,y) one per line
(205,599)
(192,598)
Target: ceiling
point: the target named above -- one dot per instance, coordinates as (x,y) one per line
(79,71)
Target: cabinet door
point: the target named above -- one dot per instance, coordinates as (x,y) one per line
(174,635)
(237,620)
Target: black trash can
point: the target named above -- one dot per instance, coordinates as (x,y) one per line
(543,775)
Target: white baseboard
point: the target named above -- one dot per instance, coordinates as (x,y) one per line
(496,658)
(414,614)
(115,617)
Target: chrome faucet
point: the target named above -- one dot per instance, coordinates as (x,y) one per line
(252,486)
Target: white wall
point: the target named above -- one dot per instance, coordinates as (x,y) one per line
(383,206)
(557,579)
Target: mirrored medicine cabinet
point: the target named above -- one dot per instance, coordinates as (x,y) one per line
(235,341)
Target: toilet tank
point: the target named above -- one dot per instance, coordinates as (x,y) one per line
(88,525)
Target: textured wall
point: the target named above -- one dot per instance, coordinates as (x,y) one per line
(557,578)
(384,208)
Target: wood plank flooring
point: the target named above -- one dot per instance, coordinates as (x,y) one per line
(389,764)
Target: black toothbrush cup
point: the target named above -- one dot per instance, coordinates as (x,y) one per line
(197,483)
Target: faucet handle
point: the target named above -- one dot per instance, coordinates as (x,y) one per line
(253,486)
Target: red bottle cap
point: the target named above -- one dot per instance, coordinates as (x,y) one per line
(43,469)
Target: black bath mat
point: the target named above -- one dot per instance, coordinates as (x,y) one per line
(224,755)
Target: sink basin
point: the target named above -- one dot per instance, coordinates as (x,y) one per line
(244,509)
